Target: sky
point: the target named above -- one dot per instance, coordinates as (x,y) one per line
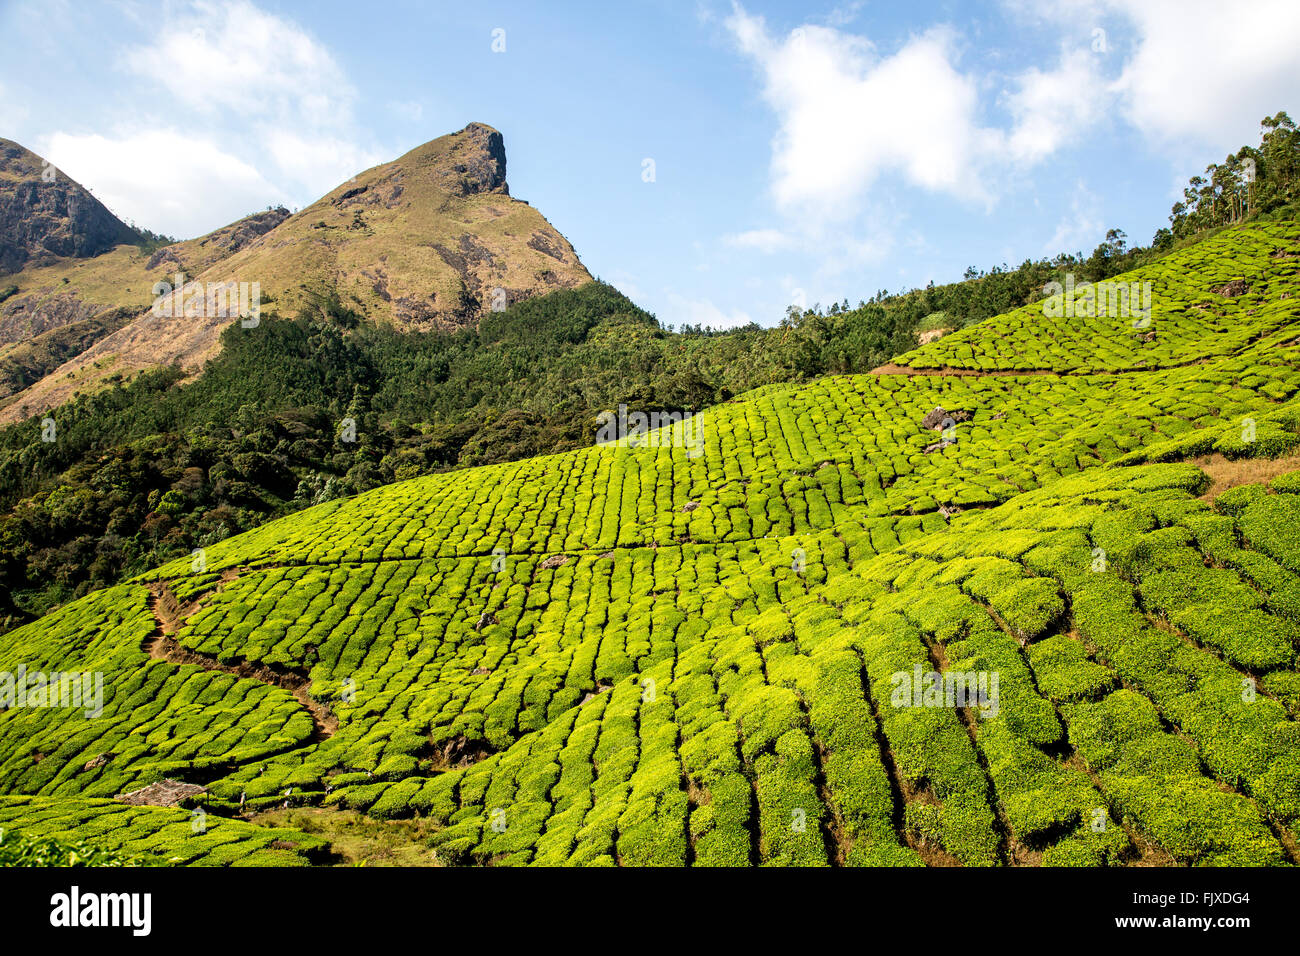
(717,161)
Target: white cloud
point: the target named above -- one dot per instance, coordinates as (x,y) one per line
(846,115)
(835,249)
(317,160)
(764,240)
(1208,71)
(1198,72)
(165,180)
(1051,108)
(232,56)
(845,14)
(268,118)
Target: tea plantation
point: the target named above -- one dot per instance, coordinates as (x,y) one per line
(685,649)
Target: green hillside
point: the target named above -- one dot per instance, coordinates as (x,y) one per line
(1208,300)
(144,472)
(688,648)
(151,468)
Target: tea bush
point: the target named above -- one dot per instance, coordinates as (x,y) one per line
(706,650)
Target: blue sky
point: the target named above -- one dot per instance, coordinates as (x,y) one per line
(801,152)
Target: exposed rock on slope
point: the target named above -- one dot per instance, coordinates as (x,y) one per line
(25,317)
(198,254)
(476,162)
(45,216)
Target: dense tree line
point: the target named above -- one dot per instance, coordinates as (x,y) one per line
(841,339)
(1252,181)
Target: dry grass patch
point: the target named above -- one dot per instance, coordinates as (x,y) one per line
(358,840)
(1226,473)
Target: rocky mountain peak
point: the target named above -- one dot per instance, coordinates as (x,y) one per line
(476,161)
(44,215)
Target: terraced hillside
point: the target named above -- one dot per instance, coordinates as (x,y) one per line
(1210,299)
(716,644)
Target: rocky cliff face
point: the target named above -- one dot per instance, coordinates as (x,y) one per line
(476,162)
(44,215)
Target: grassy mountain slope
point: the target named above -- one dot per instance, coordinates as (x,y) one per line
(422,242)
(687,652)
(59,310)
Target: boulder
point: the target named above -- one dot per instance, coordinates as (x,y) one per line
(164,793)
(935,419)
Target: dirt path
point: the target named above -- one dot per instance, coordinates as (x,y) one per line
(890,368)
(169,614)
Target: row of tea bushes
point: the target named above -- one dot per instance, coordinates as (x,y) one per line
(1192,313)
(157,836)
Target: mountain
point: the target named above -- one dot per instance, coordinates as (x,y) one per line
(56,311)
(422,242)
(432,240)
(45,216)
(1026,595)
